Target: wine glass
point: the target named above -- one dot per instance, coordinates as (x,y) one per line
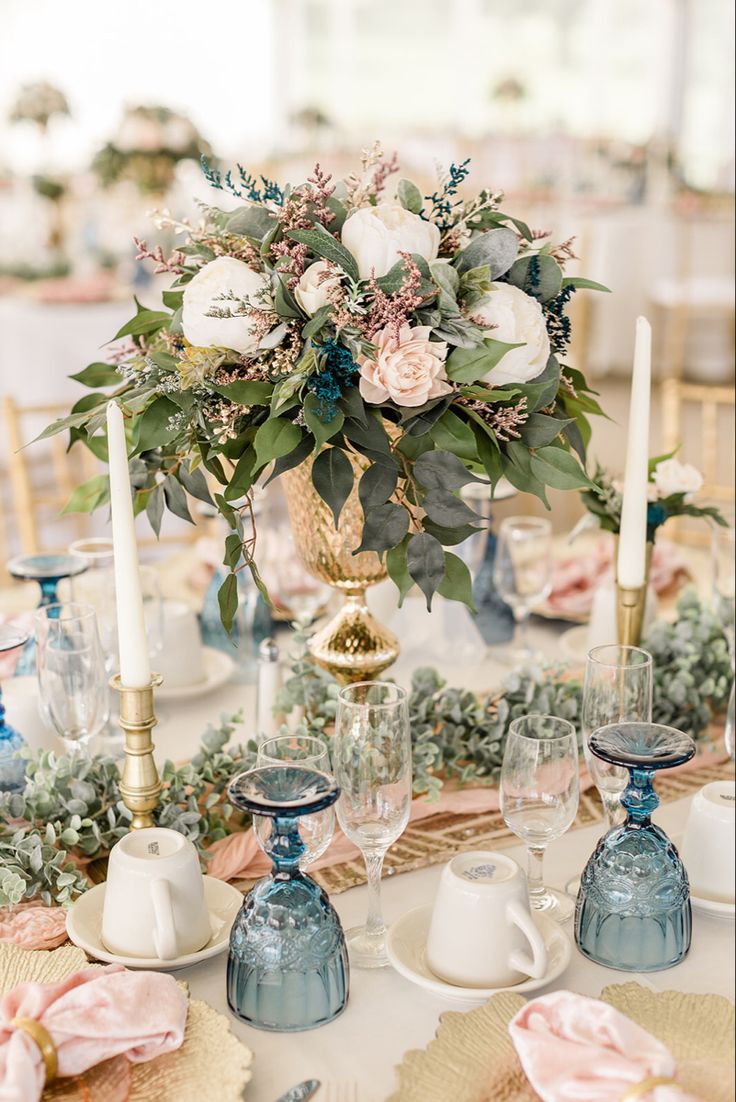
(522,572)
(371,758)
(72,679)
(617,689)
(308,753)
(540,786)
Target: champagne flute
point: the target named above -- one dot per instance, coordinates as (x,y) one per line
(540,785)
(71,673)
(372,766)
(617,689)
(522,572)
(316,830)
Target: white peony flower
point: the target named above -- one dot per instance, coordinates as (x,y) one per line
(376,235)
(312,289)
(410,370)
(516,318)
(204,293)
(673,477)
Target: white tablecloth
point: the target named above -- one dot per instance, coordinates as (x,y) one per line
(386,1014)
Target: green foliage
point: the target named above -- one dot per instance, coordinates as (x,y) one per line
(71,810)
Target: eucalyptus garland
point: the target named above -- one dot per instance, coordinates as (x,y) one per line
(71,809)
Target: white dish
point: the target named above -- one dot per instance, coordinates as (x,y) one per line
(574,645)
(84,926)
(406,944)
(718,908)
(218,668)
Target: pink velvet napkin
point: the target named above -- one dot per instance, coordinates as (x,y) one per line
(574,1049)
(93,1015)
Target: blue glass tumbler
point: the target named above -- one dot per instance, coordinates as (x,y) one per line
(633,907)
(287,968)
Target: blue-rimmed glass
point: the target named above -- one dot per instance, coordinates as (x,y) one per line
(633,907)
(12,768)
(48,571)
(287,968)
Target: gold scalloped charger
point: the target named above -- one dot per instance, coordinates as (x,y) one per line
(472,1059)
(188,1075)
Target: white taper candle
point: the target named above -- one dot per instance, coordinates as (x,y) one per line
(135,671)
(631,566)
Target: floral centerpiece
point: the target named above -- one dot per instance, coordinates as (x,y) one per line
(405,346)
(672,490)
(150,142)
(39,103)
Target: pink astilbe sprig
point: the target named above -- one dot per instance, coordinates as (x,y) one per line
(564,252)
(392,311)
(173,264)
(506,421)
(295,255)
(319,193)
(365,187)
(384,169)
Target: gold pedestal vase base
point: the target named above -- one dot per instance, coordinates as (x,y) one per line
(353,646)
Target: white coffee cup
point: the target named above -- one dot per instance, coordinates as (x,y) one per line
(154,896)
(481,927)
(708,849)
(181,661)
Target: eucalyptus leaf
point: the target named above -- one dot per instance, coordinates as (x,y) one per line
(446,509)
(155,508)
(452,434)
(559,468)
(441,470)
(98,374)
(383,527)
(425,561)
(457,584)
(467,365)
(176,498)
(398,570)
(328,247)
(497,248)
(332,478)
(409,196)
(276,437)
(548,280)
(376,485)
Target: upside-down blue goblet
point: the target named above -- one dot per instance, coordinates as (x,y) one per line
(287,969)
(48,570)
(633,907)
(12,768)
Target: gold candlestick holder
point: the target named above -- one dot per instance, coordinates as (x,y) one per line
(140,786)
(631,603)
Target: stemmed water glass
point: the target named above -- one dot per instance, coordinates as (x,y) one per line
(522,572)
(71,673)
(539,793)
(372,766)
(617,689)
(48,571)
(308,753)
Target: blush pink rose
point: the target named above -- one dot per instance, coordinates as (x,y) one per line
(410,370)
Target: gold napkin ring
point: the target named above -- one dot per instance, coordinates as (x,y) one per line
(42,1038)
(641,1090)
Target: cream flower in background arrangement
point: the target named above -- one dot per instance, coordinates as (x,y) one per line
(673,477)
(312,290)
(376,236)
(207,292)
(409,370)
(514,317)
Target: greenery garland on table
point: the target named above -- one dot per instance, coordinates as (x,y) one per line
(71,807)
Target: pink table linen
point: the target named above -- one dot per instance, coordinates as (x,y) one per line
(576,1049)
(90,1017)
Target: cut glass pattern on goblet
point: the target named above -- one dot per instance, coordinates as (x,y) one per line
(287,968)
(633,907)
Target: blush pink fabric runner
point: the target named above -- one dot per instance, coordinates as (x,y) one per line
(575,1049)
(93,1015)
(240,857)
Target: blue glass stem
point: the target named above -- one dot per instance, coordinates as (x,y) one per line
(640,798)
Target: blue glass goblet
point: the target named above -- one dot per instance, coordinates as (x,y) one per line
(12,768)
(287,969)
(48,571)
(633,907)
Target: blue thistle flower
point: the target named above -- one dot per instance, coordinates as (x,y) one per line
(337,373)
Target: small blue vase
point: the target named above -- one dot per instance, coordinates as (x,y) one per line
(494,618)
(287,968)
(633,907)
(12,769)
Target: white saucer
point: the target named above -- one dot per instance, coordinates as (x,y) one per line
(574,644)
(84,926)
(406,943)
(218,667)
(718,908)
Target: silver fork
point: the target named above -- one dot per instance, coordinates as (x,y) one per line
(341,1092)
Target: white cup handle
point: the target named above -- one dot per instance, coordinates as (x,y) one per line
(536,965)
(164,936)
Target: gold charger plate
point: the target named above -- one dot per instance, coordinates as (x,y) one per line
(188,1075)
(471,1058)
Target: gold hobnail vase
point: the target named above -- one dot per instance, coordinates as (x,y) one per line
(353,645)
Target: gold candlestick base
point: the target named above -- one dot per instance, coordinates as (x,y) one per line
(140,785)
(631,603)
